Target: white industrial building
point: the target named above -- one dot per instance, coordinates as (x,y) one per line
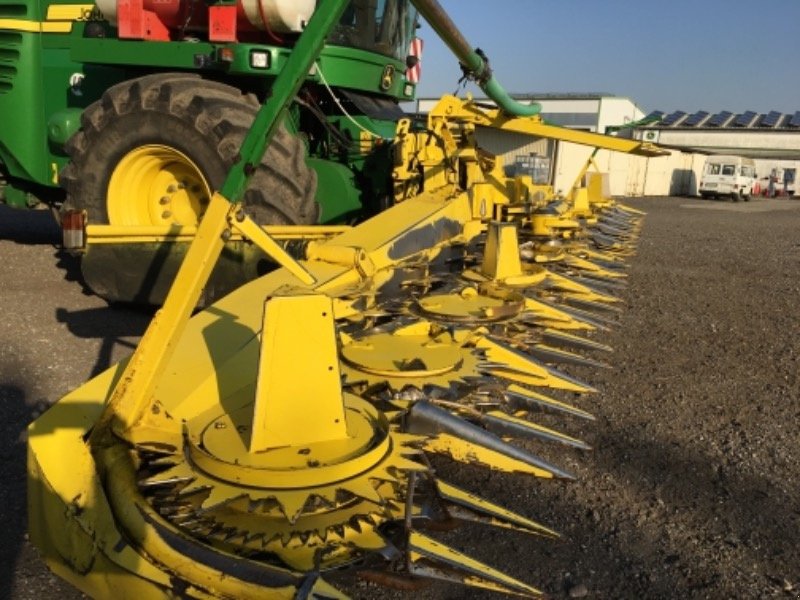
(772,139)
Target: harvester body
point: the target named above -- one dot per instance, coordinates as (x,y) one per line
(122,59)
(59,58)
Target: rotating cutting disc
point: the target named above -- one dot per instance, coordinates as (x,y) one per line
(290,500)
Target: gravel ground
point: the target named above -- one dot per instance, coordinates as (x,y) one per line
(691,490)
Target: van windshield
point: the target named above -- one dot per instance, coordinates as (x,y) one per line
(729,169)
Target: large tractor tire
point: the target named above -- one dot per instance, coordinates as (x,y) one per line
(150,152)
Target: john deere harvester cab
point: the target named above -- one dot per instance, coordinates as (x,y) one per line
(99,100)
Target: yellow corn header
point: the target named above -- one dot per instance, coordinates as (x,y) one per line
(284,431)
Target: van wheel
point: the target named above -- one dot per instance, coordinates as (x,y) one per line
(736,196)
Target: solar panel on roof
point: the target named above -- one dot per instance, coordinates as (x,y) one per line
(695,119)
(795,120)
(655,115)
(673,118)
(719,119)
(745,119)
(771,119)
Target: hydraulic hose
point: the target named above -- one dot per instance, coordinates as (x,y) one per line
(473,61)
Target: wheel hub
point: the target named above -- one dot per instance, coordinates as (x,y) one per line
(171,189)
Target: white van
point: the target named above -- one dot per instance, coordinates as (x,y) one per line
(724,175)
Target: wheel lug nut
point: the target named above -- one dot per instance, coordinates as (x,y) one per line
(164,200)
(166,214)
(172,188)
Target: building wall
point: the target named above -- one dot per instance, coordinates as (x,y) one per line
(745,142)
(570,105)
(569,162)
(613,112)
(677,174)
(509,144)
(576,114)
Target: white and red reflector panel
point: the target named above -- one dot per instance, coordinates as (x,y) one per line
(73,228)
(415,49)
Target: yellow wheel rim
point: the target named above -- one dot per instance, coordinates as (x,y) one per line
(157,185)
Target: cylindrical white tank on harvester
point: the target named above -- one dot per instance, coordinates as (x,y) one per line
(281,16)
(291,14)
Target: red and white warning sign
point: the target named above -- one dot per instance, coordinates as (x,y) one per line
(413,72)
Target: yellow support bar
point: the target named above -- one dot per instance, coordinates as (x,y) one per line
(125,234)
(130,404)
(450,107)
(248,228)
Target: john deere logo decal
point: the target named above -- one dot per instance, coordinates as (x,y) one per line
(387,79)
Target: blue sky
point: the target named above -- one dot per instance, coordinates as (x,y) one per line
(669,55)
